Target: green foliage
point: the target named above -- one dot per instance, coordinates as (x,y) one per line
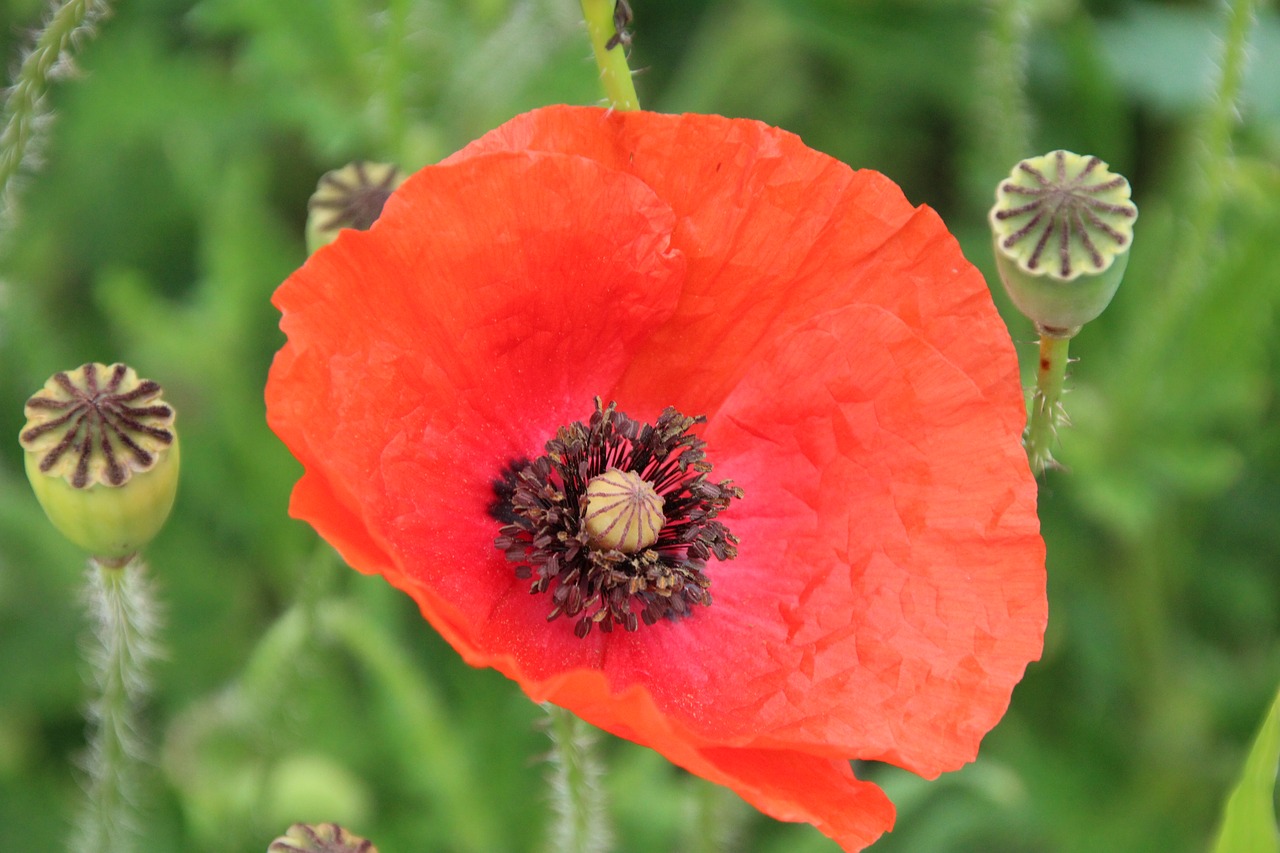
(1249,821)
(172,202)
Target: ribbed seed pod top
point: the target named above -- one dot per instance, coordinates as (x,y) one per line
(1062,225)
(101,453)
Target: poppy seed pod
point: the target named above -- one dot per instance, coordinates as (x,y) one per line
(623,511)
(350,197)
(102,457)
(1062,225)
(320,838)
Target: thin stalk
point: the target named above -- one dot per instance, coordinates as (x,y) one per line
(69,25)
(394,72)
(1211,162)
(125,645)
(1005,118)
(715,819)
(610,52)
(577,792)
(1046,407)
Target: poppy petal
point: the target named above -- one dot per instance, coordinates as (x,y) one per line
(900,549)
(454,335)
(782,783)
(792,786)
(937,374)
(888,591)
(774,233)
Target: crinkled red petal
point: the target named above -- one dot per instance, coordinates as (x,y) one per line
(777,234)
(454,336)
(784,783)
(774,233)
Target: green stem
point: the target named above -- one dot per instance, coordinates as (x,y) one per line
(125,632)
(1210,159)
(576,786)
(1241,19)
(67,27)
(1006,119)
(430,743)
(1046,407)
(716,816)
(395,122)
(615,74)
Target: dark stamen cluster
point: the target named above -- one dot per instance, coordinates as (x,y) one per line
(544,503)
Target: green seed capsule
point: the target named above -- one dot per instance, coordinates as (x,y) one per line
(102,457)
(1062,225)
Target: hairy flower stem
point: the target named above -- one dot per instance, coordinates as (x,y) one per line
(126,623)
(1193,248)
(577,794)
(611,53)
(715,818)
(1004,118)
(67,26)
(1046,409)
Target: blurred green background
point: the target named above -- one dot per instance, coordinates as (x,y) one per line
(171,202)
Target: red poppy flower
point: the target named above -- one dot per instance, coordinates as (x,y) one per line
(858,387)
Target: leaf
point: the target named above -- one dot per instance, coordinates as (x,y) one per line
(1249,820)
(1163,55)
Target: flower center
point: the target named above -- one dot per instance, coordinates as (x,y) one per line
(623,511)
(616,521)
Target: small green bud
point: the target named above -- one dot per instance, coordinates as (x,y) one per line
(320,838)
(350,197)
(1062,225)
(102,457)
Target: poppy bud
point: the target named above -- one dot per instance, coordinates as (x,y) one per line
(320,838)
(1062,226)
(102,457)
(350,197)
